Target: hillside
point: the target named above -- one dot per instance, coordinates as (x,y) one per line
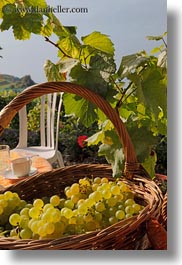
(9,82)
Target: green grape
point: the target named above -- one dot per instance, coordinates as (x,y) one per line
(124,187)
(66,212)
(8,195)
(34,226)
(26,233)
(97,180)
(129,209)
(119,197)
(72,220)
(47,216)
(136,208)
(113,220)
(56,215)
(14,219)
(89,202)
(75,212)
(3,203)
(98,216)
(129,202)
(95,186)
(82,208)
(112,211)
(47,206)
(24,211)
(105,186)
(14,233)
(100,207)
(88,218)
(22,203)
(29,205)
(120,214)
(79,219)
(55,200)
(38,203)
(84,182)
(68,193)
(42,231)
(75,198)
(34,213)
(90,226)
(35,236)
(24,220)
(115,190)
(112,201)
(69,204)
(80,202)
(61,203)
(59,227)
(104,180)
(95,196)
(66,188)
(106,194)
(75,188)
(49,228)
(128,215)
(121,207)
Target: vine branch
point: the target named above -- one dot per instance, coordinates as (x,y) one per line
(57,46)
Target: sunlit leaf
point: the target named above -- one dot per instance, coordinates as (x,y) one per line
(130,63)
(52,72)
(70,46)
(100,42)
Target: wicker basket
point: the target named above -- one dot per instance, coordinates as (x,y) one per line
(126,234)
(164,211)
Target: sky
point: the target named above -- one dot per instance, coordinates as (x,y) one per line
(127,23)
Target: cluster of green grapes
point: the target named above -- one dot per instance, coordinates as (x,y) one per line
(88,205)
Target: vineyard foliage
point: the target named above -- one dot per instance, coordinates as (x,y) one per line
(137,89)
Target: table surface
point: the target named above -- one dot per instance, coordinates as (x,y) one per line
(40,163)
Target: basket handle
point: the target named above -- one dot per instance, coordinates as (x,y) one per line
(9,111)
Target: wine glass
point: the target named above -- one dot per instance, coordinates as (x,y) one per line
(4,159)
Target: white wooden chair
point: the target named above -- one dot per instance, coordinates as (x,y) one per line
(49,130)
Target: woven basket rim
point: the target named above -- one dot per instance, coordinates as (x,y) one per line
(151,195)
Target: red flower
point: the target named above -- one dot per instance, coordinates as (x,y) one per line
(81,140)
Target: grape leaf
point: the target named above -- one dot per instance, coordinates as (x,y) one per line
(99,41)
(154,90)
(150,163)
(47,29)
(129,63)
(70,46)
(35,3)
(22,25)
(6,5)
(82,108)
(95,138)
(114,157)
(52,72)
(143,140)
(67,64)
(32,23)
(113,152)
(156,38)
(90,78)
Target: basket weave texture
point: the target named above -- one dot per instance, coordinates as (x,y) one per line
(126,234)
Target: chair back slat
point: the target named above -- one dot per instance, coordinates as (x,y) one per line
(23,132)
